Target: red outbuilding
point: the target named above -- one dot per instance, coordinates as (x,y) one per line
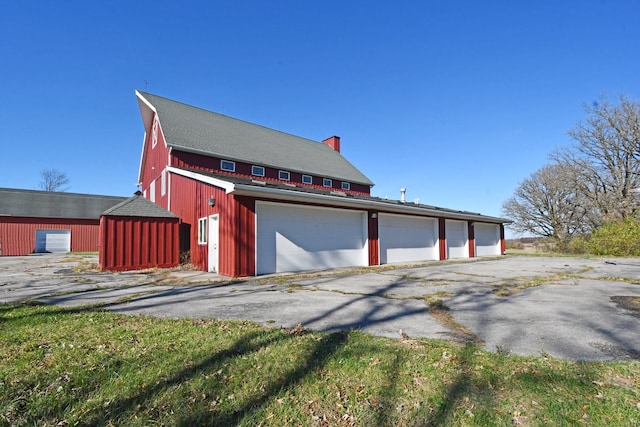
(46,221)
(137,234)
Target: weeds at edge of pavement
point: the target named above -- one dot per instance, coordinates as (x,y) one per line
(77,366)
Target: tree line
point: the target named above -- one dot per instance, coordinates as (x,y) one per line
(593,182)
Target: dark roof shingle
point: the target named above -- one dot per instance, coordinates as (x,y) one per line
(50,204)
(140,207)
(193,129)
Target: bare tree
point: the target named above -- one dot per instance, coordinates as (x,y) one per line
(53,180)
(546,204)
(606,158)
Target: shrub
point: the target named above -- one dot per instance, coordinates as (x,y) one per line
(619,238)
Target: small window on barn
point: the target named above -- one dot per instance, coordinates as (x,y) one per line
(257,170)
(327,182)
(202,231)
(152,191)
(307,179)
(284,175)
(228,165)
(346,186)
(154,133)
(163,183)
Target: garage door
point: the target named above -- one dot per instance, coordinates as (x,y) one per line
(295,238)
(457,238)
(407,238)
(53,240)
(487,239)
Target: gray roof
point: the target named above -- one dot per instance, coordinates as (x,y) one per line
(140,207)
(193,129)
(50,204)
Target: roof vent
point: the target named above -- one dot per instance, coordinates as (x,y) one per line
(403,195)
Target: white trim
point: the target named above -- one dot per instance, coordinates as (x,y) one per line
(148,104)
(228,187)
(163,183)
(203,230)
(310,179)
(345,185)
(324,182)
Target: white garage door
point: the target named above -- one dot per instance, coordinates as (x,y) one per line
(457,239)
(407,238)
(487,239)
(53,240)
(294,238)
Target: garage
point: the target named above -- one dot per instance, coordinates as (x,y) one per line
(407,238)
(54,241)
(297,237)
(457,239)
(487,238)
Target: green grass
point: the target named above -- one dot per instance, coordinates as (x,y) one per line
(89,367)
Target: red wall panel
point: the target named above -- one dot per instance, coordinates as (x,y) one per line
(18,234)
(154,161)
(134,243)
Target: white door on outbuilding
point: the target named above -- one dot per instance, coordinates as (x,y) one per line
(297,237)
(54,241)
(407,238)
(457,239)
(487,238)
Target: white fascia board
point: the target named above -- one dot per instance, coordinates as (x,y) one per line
(147,111)
(286,195)
(227,186)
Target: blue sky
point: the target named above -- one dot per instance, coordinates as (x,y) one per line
(457,101)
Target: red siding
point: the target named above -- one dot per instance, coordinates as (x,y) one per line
(472,239)
(133,243)
(154,161)
(503,246)
(212,164)
(189,200)
(18,234)
(374,244)
(442,237)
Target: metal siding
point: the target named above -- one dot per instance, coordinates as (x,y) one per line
(442,237)
(374,243)
(18,234)
(472,239)
(154,162)
(128,243)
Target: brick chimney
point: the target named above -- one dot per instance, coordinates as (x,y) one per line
(333,142)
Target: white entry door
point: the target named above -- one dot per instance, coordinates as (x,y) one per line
(213,243)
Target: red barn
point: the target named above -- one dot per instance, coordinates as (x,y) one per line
(45,221)
(253,200)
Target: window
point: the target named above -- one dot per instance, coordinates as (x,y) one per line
(152,191)
(228,165)
(163,183)
(327,182)
(154,134)
(284,175)
(257,170)
(202,231)
(346,186)
(307,179)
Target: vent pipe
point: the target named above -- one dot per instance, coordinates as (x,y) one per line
(403,193)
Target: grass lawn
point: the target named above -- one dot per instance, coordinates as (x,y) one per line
(91,367)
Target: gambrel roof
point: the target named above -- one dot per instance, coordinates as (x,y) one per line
(52,204)
(195,130)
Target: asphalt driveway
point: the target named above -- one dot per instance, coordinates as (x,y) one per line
(573,308)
